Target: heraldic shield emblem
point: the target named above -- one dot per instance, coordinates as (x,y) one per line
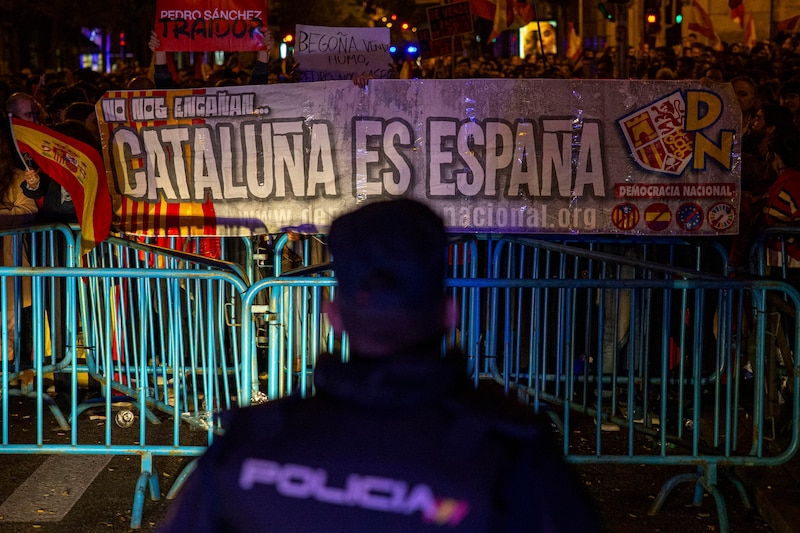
(656,135)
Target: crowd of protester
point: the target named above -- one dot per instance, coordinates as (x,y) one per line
(768,63)
(765,78)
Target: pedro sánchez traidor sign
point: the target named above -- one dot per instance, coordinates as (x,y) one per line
(209,25)
(510,156)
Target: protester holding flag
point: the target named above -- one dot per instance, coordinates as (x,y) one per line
(73,189)
(163,77)
(24,106)
(15,210)
(77,167)
(55,203)
(700,22)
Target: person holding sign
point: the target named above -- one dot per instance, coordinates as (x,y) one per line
(163,77)
(336,53)
(209,25)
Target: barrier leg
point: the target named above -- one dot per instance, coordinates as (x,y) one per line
(706,479)
(145,480)
(741,490)
(667,488)
(178,483)
(59,416)
(155,489)
(28,392)
(709,482)
(699,489)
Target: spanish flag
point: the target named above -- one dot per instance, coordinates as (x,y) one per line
(700,22)
(791,25)
(506,14)
(79,168)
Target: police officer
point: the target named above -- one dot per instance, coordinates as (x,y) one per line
(396,439)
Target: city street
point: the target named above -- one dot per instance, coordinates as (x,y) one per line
(623,494)
(618,184)
(81,493)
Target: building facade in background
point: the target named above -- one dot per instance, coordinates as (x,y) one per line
(98,34)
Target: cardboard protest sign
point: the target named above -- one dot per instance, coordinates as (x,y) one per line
(324,53)
(449,20)
(429,48)
(210,25)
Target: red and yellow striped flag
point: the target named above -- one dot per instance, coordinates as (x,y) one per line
(79,168)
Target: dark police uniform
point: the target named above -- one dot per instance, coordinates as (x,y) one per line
(400,443)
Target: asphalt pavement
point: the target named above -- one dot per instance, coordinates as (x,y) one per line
(622,496)
(89,494)
(105,504)
(776,494)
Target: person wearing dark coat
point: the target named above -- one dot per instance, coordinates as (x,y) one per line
(396,438)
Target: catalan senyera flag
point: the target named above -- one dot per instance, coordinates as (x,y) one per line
(79,168)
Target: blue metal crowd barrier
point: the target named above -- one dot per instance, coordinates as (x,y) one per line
(193,377)
(38,305)
(774,252)
(650,338)
(235,253)
(679,387)
(674,356)
(296,328)
(45,246)
(176,326)
(775,255)
(157,334)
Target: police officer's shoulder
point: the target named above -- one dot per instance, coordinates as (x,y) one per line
(255,423)
(504,415)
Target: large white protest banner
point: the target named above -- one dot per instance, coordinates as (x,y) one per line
(324,53)
(511,156)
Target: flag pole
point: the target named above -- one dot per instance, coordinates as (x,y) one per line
(539,31)
(772,32)
(14,140)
